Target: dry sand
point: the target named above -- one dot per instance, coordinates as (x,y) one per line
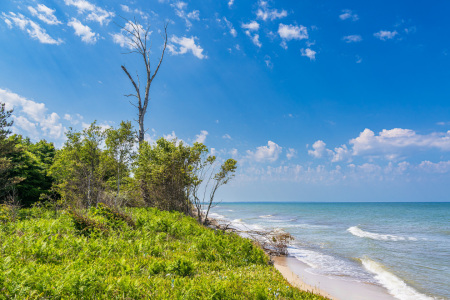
(280,264)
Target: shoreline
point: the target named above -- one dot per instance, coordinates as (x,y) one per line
(331,287)
(280,263)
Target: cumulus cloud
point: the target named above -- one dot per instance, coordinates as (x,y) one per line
(83,31)
(125,8)
(319,148)
(385,34)
(230,3)
(265,13)
(347,14)
(291,153)
(201,138)
(226,136)
(94,13)
(252,26)
(269,153)
(430,167)
(180,8)
(291,32)
(392,142)
(233,31)
(45,14)
(311,54)
(33,29)
(124,38)
(31,116)
(354,38)
(183,45)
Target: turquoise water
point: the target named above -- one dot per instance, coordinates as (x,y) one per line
(404,247)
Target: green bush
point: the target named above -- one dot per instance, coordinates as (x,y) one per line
(43,256)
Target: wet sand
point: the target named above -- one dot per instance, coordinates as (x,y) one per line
(334,288)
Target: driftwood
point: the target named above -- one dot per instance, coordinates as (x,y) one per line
(273,242)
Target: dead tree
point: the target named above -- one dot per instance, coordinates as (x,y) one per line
(138,37)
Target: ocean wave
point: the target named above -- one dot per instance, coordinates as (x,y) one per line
(329,265)
(216,216)
(266,216)
(396,287)
(306,226)
(355,230)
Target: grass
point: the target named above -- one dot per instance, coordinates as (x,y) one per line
(103,254)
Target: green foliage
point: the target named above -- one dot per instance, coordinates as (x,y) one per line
(31,162)
(7,148)
(86,225)
(114,215)
(166,256)
(80,168)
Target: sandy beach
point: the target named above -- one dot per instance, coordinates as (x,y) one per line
(334,288)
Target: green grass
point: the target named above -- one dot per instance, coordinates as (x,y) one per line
(157,255)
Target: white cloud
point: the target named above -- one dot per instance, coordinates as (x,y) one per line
(354,38)
(83,31)
(385,34)
(125,8)
(394,141)
(269,153)
(291,32)
(291,153)
(31,116)
(319,149)
(268,61)
(252,26)
(264,13)
(348,14)
(194,15)
(45,14)
(124,38)
(180,10)
(389,144)
(254,38)
(170,136)
(33,29)
(185,45)
(230,3)
(440,167)
(233,31)
(201,138)
(95,13)
(340,154)
(226,136)
(311,54)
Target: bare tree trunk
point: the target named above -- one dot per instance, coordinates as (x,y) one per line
(138,42)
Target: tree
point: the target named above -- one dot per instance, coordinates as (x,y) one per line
(7,148)
(206,183)
(138,38)
(119,145)
(180,177)
(31,162)
(79,169)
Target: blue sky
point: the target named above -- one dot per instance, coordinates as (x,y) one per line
(317,100)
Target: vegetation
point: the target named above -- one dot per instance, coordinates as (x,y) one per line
(160,255)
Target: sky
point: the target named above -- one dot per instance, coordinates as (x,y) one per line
(316,100)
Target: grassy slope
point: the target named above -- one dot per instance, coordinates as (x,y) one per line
(167,256)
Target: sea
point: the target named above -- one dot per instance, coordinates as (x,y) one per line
(403,247)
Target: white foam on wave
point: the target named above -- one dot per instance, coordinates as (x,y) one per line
(328,265)
(355,230)
(306,226)
(216,216)
(396,287)
(266,216)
